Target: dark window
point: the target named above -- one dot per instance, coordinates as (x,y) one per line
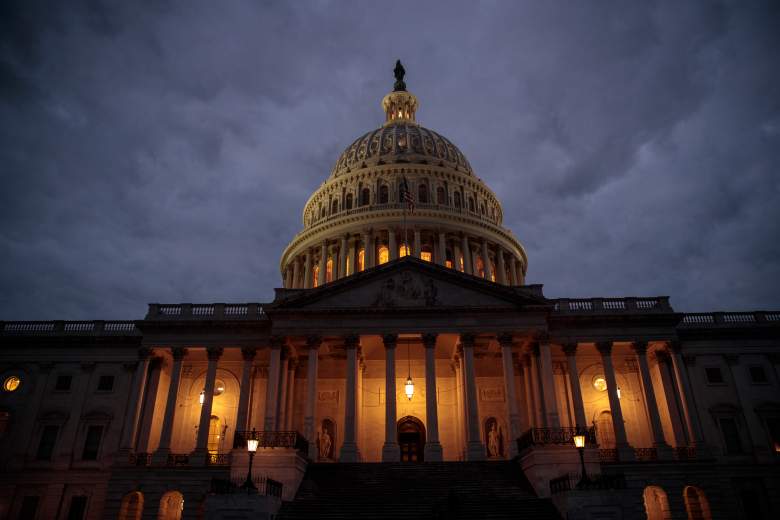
(440,198)
(78,506)
(47,442)
(714,375)
(757,374)
(29,508)
(457,200)
(334,208)
(349,201)
(365,196)
(106,383)
(63,383)
(422,194)
(728,426)
(383,195)
(92,442)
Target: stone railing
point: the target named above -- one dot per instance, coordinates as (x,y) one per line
(680,453)
(706,320)
(218,459)
(140,459)
(205,311)
(611,305)
(263,485)
(272,439)
(178,459)
(69,328)
(553,436)
(573,481)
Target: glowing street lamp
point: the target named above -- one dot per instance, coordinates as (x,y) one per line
(251,446)
(579,443)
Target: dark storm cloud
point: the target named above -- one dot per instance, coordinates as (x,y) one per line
(164,151)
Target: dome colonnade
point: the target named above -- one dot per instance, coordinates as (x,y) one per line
(358,218)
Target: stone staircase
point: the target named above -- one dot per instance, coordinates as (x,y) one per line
(432,490)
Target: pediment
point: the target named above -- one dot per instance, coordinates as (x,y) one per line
(408,283)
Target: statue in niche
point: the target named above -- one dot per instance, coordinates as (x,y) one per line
(325,440)
(494,436)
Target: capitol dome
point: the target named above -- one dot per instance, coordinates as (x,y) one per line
(360,218)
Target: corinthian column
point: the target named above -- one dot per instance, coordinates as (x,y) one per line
(164,448)
(625,452)
(313,344)
(390,450)
(464,247)
(242,418)
(505,340)
(475,449)
(136,399)
(513,270)
(199,456)
(432,446)
(272,384)
(570,350)
(501,266)
(349,448)
(391,244)
(662,448)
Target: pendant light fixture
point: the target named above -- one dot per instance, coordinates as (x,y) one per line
(409,386)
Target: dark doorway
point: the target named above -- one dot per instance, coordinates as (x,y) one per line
(411,439)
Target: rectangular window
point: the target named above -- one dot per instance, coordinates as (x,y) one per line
(29,508)
(757,374)
(714,375)
(63,383)
(47,442)
(78,506)
(105,383)
(92,442)
(728,426)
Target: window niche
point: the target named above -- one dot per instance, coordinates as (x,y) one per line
(733,433)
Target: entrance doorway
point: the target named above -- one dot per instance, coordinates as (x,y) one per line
(411,439)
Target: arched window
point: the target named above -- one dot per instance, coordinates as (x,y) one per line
(656,504)
(349,201)
(214,434)
(329,270)
(171,506)
(384,255)
(315,276)
(361,260)
(384,194)
(696,504)
(605,431)
(365,196)
(422,194)
(480,270)
(403,250)
(132,506)
(471,204)
(334,208)
(448,259)
(441,198)
(457,199)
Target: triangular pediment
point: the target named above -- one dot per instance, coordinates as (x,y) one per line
(409,283)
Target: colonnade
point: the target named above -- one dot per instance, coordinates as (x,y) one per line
(338,257)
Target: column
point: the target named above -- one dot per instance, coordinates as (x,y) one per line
(371,250)
(390,450)
(690,413)
(662,448)
(136,400)
(296,273)
(501,266)
(665,370)
(287,277)
(548,384)
(142,440)
(442,260)
(570,349)
(199,456)
(323,260)
(505,340)
(417,248)
(625,452)
(349,448)
(538,391)
(512,270)
(353,252)
(343,253)
(530,404)
(242,417)
(486,260)
(366,250)
(313,345)
(281,400)
(391,244)
(464,246)
(432,450)
(166,434)
(475,449)
(459,406)
(288,413)
(307,271)
(272,385)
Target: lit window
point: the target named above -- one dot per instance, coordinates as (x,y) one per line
(315,276)
(11,383)
(403,250)
(329,270)
(219,387)
(384,255)
(460,264)
(427,256)
(492,272)
(480,267)
(599,383)
(448,263)
(361,260)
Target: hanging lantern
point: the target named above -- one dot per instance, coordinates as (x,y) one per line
(618,392)
(202,396)
(409,388)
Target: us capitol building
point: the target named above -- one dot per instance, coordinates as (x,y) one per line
(404,370)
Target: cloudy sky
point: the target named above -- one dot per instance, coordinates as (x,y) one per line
(163,151)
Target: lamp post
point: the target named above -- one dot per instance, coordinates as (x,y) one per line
(251,447)
(579,443)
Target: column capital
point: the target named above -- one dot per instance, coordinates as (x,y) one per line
(178,353)
(604,347)
(144,353)
(675,346)
(640,347)
(467,340)
(276,342)
(505,339)
(214,353)
(570,348)
(429,340)
(313,341)
(390,340)
(662,356)
(248,353)
(351,341)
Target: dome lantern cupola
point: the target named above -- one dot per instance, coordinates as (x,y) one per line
(399,105)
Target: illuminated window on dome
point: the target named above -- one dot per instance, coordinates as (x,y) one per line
(492,271)
(460,264)
(329,270)
(403,251)
(361,260)
(426,255)
(11,384)
(480,267)
(448,263)
(315,275)
(384,255)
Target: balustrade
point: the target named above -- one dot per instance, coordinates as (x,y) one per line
(274,439)
(573,481)
(554,436)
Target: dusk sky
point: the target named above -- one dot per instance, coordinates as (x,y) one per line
(163,151)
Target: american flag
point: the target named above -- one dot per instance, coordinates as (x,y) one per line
(406,195)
